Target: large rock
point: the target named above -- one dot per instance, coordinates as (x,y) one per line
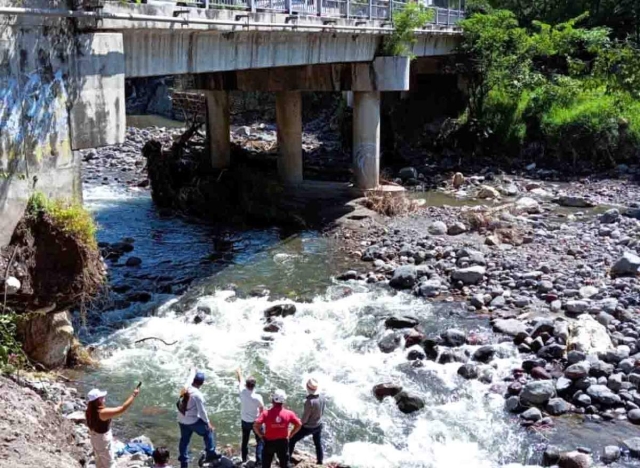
(603,395)
(488,192)
(528,205)
(558,406)
(390,342)
(634,416)
(11,285)
(633,446)
(578,370)
(399,322)
(610,216)
(574,201)
(484,353)
(280,310)
(408,403)
(453,337)
(588,336)
(47,338)
(627,265)
(511,327)
(468,371)
(575,308)
(574,460)
(538,392)
(437,228)
(383,390)
(404,277)
(470,275)
(610,454)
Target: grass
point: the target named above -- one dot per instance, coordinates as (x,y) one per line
(69,217)
(389,204)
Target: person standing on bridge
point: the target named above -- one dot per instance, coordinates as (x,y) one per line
(277,421)
(251,405)
(99,423)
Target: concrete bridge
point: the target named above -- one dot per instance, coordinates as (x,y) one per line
(63,65)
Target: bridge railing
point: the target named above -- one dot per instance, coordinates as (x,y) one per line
(358,9)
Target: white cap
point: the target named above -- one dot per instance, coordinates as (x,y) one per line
(94,394)
(279,396)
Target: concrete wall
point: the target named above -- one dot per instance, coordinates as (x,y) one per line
(42,85)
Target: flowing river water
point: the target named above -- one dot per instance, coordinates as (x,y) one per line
(332,337)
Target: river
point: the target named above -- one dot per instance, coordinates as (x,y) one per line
(332,337)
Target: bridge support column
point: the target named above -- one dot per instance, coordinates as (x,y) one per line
(289,121)
(366,139)
(218,128)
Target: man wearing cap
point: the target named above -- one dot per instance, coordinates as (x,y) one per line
(251,405)
(314,407)
(195,419)
(99,423)
(277,421)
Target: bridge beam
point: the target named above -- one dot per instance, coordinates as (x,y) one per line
(366,139)
(289,121)
(218,128)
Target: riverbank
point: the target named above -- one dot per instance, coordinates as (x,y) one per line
(211,301)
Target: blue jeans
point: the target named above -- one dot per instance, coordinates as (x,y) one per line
(203,430)
(316,432)
(247,429)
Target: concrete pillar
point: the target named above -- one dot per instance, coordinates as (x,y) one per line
(366,139)
(289,120)
(218,128)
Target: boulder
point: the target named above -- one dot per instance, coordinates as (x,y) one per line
(399,322)
(575,308)
(588,336)
(532,414)
(603,395)
(11,285)
(47,338)
(408,403)
(574,201)
(578,370)
(538,392)
(528,205)
(632,445)
(557,406)
(468,371)
(610,454)
(488,192)
(574,460)
(407,173)
(610,216)
(383,390)
(458,180)
(280,310)
(600,369)
(552,351)
(404,277)
(484,353)
(634,416)
(453,337)
(133,262)
(390,343)
(588,291)
(448,356)
(550,456)
(627,265)
(437,228)
(416,355)
(511,327)
(471,275)
(456,228)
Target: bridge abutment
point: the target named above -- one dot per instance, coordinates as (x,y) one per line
(289,122)
(366,139)
(218,128)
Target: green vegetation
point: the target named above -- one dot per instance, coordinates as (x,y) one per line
(11,354)
(69,217)
(405,21)
(569,91)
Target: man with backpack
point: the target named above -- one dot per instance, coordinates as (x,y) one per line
(192,417)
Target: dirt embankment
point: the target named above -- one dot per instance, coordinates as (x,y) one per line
(32,433)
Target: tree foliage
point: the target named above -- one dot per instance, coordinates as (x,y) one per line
(405,21)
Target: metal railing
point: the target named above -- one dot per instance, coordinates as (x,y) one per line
(350,9)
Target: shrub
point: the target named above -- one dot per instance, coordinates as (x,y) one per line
(69,217)
(411,17)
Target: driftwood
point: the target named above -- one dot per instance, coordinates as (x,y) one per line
(155,338)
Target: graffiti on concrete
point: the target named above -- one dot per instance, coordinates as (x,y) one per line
(365,161)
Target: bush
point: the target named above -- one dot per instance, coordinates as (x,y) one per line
(411,17)
(11,355)
(69,217)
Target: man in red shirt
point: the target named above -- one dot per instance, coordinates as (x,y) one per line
(276,433)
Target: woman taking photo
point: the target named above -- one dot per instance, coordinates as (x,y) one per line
(99,422)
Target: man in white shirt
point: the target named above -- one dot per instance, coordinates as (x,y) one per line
(192,417)
(251,405)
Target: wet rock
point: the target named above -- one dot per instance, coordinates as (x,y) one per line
(11,285)
(578,370)
(574,460)
(634,416)
(413,337)
(273,327)
(477,301)
(511,327)
(540,373)
(383,390)
(458,180)
(399,322)
(453,337)
(627,265)
(574,201)
(348,275)
(437,228)
(512,404)
(407,173)
(280,310)
(550,456)
(487,192)
(416,355)
(448,356)
(537,393)
(632,445)
(404,277)
(138,296)
(603,395)
(456,229)
(557,407)
(582,400)
(389,343)
(408,403)
(498,302)
(610,216)
(484,354)
(532,414)
(429,288)
(468,371)
(610,454)
(133,262)
(470,275)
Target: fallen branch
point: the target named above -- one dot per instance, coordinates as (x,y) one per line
(155,338)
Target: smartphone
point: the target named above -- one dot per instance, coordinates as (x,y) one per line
(139,385)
